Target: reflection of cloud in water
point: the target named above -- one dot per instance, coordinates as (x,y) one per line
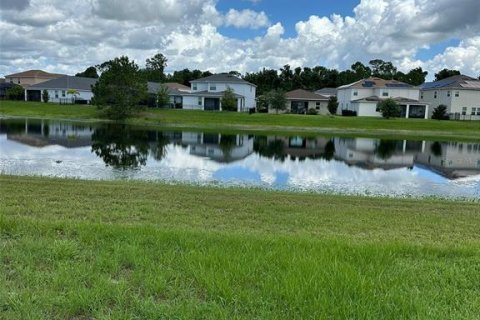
(180,165)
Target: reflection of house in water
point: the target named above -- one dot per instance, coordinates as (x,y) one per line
(451,159)
(299,148)
(218,147)
(372,153)
(43,133)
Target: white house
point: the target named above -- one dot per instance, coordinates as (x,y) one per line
(363,96)
(460,94)
(206,93)
(58,90)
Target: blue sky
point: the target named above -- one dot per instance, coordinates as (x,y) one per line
(244,35)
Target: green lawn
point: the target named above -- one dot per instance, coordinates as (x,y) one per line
(72,249)
(287,123)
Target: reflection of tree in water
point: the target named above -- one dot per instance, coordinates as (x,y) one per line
(159,150)
(436,149)
(120,147)
(227,143)
(271,149)
(329,151)
(386,149)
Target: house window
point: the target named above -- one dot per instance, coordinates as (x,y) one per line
(355,93)
(464,111)
(56,94)
(474,111)
(194,86)
(63,93)
(317,105)
(385,93)
(199,101)
(457,94)
(421,95)
(435,95)
(18,81)
(213,87)
(478,111)
(448,94)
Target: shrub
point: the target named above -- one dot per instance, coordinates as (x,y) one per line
(349,113)
(389,108)
(312,112)
(332,105)
(440,113)
(45,96)
(15,93)
(229,102)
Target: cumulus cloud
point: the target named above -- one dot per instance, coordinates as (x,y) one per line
(74,35)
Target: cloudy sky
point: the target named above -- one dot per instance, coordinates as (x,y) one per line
(244,35)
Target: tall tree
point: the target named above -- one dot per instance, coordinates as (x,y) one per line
(155,68)
(90,72)
(361,70)
(446,73)
(120,89)
(415,77)
(383,69)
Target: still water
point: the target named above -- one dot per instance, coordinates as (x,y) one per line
(319,164)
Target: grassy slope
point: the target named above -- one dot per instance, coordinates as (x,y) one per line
(261,122)
(128,249)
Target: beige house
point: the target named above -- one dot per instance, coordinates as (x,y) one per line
(300,101)
(31,77)
(460,94)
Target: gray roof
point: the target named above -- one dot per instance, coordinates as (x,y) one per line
(173,89)
(224,78)
(65,83)
(327,91)
(207,94)
(454,82)
(378,99)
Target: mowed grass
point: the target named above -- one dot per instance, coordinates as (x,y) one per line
(362,126)
(72,249)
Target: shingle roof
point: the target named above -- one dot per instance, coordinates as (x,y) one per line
(375,83)
(65,83)
(172,88)
(176,86)
(223,77)
(35,74)
(454,82)
(209,94)
(378,99)
(327,91)
(301,94)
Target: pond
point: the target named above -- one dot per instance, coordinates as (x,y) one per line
(342,165)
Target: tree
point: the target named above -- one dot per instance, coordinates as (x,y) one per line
(389,108)
(440,113)
(155,68)
(277,100)
(120,88)
(90,72)
(73,92)
(15,93)
(415,77)
(386,148)
(332,105)
(361,70)
(229,102)
(163,99)
(45,96)
(446,73)
(383,69)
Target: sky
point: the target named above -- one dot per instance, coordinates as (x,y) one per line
(243,35)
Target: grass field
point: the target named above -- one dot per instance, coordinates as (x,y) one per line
(361,126)
(72,249)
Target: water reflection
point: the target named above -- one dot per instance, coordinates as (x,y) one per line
(344,165)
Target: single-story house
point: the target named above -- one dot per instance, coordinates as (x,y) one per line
(58,90)
(300,101)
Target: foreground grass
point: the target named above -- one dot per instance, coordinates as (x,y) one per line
(123,250)
(361,126)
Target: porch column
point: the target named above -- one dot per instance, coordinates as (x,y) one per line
(404,147)
(426,111)
(407,111)
(26,96)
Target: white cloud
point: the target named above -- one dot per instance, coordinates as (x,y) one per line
(246,19)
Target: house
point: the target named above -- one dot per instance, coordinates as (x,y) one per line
(31,77)
(362,97)
(460,94)
(206,93)
(327,92)
(58,90)
(300,101)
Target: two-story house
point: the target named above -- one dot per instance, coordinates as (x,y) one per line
(363,96)
(206,93)
(31,77)
(460,94)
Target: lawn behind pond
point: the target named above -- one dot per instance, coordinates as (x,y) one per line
(95,249)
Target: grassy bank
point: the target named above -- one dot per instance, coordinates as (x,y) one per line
(122,250)
(361,126)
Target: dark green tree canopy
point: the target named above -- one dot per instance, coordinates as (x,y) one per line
(90,72)
(120,88)
(155,68)
(446,73)
(277,100)
(389,108)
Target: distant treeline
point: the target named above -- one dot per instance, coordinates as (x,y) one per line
(286,78)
